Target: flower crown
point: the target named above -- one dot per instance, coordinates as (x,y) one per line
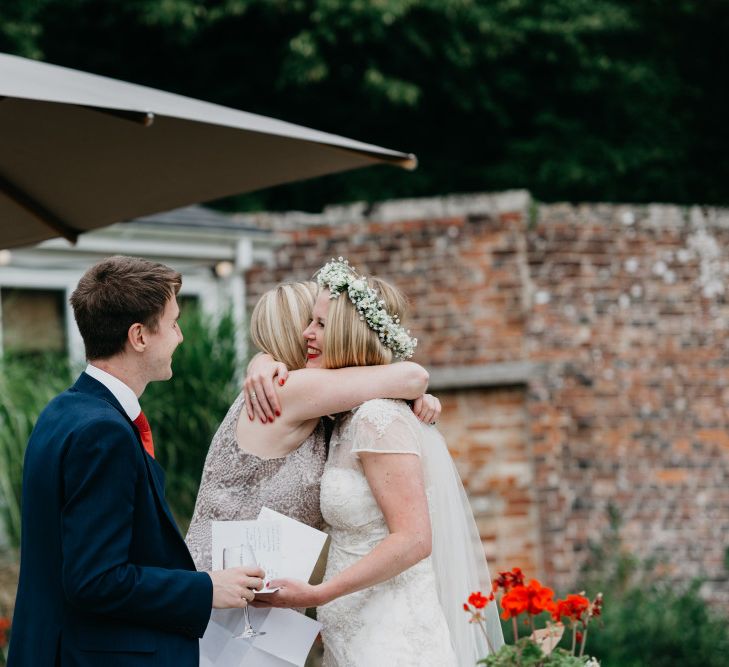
(338,276)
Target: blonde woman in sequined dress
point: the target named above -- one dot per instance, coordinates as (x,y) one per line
(278,463)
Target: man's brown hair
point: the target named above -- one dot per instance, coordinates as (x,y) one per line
(116,293)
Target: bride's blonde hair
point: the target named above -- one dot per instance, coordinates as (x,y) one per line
(348,340)
(279,319)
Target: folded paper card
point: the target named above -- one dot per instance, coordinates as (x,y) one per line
(283,547)
(287,642)
(264,537)
(301,544)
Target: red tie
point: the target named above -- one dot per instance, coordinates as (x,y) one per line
(145,432)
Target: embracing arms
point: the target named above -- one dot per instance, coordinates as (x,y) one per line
(309,393)
(315,392)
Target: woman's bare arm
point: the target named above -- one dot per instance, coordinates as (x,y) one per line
(315,392)
(397,483)
(263,370)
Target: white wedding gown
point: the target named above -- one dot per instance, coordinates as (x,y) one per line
(400,621)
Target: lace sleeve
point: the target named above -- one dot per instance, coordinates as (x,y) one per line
(385,426)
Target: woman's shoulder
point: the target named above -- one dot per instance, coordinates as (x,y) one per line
(381,406)
(382,413)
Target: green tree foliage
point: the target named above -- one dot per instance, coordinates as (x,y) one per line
(572,99)
(658,625)
(648,620)
(20,28)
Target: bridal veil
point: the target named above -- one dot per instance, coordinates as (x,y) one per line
(458,557)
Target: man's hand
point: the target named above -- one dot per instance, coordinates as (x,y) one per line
(261,400)
(427,409)
(234,588)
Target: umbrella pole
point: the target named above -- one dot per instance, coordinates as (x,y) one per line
(38,211)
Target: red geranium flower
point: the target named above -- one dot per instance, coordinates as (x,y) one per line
(540,597)
(533,599)
(4,627)
(596,605)
(514,602)
(478,600)
(508,580)
(572,607)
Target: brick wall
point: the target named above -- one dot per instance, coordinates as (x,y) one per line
(622,314)
(460,269)
(630,313)
(487,433)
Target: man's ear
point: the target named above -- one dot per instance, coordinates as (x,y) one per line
(137,337)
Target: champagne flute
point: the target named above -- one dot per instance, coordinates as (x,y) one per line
(242,556)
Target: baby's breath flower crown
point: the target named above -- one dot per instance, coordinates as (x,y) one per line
(338,276)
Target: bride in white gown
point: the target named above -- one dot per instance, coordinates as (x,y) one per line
(404,553)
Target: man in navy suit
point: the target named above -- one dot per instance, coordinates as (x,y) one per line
(105,576)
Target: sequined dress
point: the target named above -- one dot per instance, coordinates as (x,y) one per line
(400,621)
(236,484)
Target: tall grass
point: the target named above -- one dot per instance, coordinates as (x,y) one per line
(184,412)
(26,385)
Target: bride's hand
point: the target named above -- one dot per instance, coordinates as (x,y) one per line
(427,409)
(293,594)
(261,399)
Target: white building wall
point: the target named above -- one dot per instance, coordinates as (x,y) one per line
(212,262)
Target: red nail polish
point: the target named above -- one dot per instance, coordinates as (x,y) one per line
(278,413)
(282,382)
(270,419)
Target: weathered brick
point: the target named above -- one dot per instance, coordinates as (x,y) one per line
(624,307)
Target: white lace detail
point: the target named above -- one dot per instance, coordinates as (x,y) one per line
(380,413)
(385,426)
(400,621)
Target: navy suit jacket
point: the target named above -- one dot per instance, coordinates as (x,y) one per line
(105,576)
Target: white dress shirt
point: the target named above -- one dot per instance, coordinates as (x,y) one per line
(122,393)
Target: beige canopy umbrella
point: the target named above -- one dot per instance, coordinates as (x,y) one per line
(80,151)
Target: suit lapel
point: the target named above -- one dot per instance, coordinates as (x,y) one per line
(89,385)
(157,475)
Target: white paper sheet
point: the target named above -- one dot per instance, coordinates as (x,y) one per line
(291,549)
(264,537)
(301,545)
(288,639)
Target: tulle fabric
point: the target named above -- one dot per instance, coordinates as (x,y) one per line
(458,557)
